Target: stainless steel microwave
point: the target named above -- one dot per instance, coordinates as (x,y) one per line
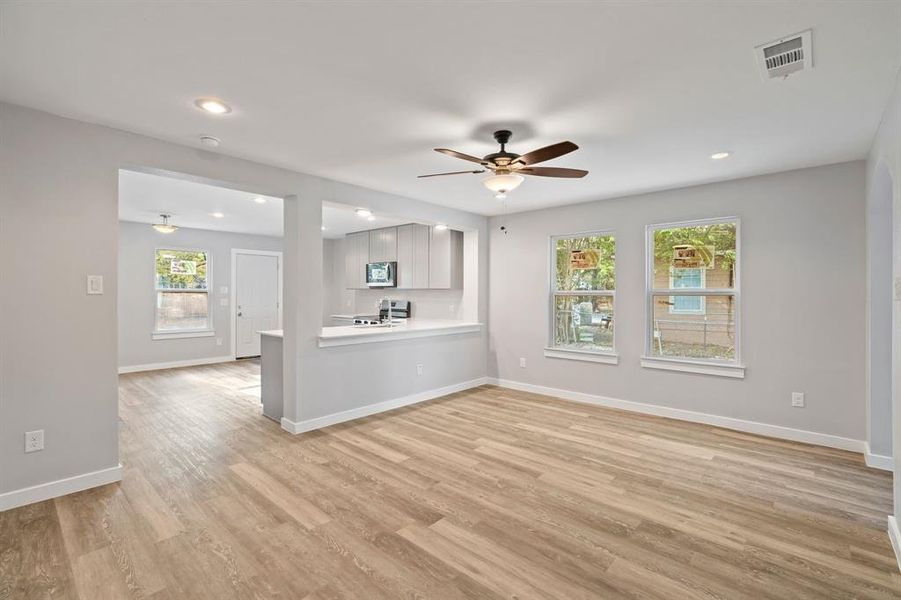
(381,274)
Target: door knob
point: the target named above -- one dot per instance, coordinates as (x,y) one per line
(239,314)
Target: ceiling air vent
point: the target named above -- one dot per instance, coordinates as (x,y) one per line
(780,58)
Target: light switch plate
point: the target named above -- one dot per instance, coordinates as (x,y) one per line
(95,284)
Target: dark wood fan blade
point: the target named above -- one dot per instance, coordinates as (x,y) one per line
(452,173)
(552,172)
(456,154)
(546,153)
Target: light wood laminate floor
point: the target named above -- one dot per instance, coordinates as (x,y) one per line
(488,493)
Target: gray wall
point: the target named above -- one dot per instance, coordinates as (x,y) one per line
(136,296)
(884,169)
(803,299)
(58,346)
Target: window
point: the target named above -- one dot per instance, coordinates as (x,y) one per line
(582,296)
(182,292)
(693,294)
(688,279)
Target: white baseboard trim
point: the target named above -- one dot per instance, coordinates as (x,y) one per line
(372,409)
(878,461)
(776,431)
(60,487)
(194,362)
(895,536)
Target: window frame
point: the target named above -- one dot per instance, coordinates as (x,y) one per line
(169,334)
(709,366)
(672,307)
(553,351)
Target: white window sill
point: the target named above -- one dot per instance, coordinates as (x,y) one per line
(694,366)
(177,335)
(607,358)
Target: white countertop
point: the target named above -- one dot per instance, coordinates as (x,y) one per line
(344,335)
(273,333)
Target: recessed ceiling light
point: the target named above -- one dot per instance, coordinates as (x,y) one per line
(440,226)
(363,212)
(213,106)
(720,155)
(370,218)
(322,228)
(217,215)
(210,141)
(259,200)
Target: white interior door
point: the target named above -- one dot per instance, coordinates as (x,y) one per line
(256,300)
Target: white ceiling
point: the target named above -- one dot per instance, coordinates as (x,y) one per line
(143,197)
(362,91)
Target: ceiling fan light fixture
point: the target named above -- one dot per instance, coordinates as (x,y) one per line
(165,226)
(503,183)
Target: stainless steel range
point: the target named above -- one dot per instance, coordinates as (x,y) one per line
(399,311)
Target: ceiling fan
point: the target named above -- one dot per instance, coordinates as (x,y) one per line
(508,168)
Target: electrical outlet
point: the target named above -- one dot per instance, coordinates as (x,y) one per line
(798,399)
(522,363)
(218,341)
(34,440)
(419,369)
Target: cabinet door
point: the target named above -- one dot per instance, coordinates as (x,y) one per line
(405,257)
(383,244)
(356,256)
(420,256)
(439,258)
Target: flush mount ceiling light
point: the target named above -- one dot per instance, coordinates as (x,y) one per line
(259,200)
(214,106)
(509,167)
(165,226)
(217,215)
(363,212)
(720,155)
(440,226)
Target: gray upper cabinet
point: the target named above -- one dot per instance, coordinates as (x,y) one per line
(383,244)
(426,257)
(413,256)
(356,255)
(445,258)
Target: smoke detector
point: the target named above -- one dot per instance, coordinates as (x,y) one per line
(780,58)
